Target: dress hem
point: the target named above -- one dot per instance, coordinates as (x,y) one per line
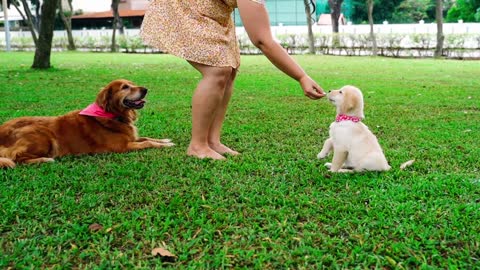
(179,55)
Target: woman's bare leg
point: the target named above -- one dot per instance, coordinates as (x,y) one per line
(216,128)
(205,102)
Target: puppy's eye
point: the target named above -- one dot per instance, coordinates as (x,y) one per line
(125,86)
(341,92)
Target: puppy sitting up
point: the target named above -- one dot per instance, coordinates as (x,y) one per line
(354,146)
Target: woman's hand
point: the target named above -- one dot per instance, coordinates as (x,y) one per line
(311,88)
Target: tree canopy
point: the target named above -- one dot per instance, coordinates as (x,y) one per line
(409,11)
(466,10)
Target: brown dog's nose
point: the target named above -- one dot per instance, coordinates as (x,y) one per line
(144,91)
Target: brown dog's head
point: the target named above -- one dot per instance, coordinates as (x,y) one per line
(121,97)
(348,100)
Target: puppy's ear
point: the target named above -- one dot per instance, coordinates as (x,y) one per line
(104,97)
(349,102)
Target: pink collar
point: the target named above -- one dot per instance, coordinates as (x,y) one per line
(97,111)
(343,117)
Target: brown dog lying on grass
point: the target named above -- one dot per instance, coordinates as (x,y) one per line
(105,126)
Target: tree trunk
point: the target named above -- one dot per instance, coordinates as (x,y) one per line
(28,18)
(33,19)
(335,8)
(38,20)
(44,46)
(335,11)
(372,33)
(440,36)
(117,24)
(6,25)
(67,21)
(310,20)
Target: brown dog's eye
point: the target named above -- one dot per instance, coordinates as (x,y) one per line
(125,86)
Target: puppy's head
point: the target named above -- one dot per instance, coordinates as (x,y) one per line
(121,97)
(348,100)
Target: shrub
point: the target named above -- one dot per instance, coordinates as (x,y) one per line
(422,42)
(455,45)
(60,43)
(22,43)
(389,44)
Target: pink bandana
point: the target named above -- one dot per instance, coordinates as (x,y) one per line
(343,117)
(97,111)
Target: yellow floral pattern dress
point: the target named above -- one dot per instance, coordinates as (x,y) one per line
(201,31)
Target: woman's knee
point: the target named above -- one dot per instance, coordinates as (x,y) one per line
(219,76)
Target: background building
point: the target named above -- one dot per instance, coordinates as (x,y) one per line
(131,12)
(282,12)
(323,8)
(97,14)
(292,12)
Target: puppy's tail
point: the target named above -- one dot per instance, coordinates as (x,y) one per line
(407,164)
(6,163)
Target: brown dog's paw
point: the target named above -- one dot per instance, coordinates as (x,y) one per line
(39,160)
(168,144)
(7,163)
(157,144)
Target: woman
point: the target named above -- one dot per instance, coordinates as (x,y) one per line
(203,33)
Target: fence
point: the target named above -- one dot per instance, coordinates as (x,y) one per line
(396,40)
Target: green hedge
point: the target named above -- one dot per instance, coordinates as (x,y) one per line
(393,45)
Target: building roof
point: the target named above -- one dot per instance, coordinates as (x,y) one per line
(326,19)
(109,14)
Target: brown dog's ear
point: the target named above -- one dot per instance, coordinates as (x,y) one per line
(103,98)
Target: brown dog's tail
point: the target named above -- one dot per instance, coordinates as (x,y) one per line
(6,163)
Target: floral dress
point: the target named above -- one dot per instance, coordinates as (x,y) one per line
(201,31)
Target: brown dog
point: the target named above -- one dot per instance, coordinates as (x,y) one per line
(105,126)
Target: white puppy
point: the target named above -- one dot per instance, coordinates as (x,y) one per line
(355,148)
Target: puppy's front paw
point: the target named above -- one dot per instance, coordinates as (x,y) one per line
(328,165)
(322,155)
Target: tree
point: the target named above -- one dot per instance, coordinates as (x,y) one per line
(370,21)
(6,24)
(383,10)
(432,9)
(117,24)
(26,15)
(310,20)
(35,19)
(466,10)
(44,45)
(36,5)
(335,9)
(411,11)
(66,17)
(440,36)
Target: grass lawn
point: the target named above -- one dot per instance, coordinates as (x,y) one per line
(273,207)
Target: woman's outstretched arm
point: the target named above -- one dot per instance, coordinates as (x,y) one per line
(257,24)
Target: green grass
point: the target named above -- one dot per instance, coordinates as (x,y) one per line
(273,207)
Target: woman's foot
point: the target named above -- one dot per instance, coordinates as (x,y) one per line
(223,149)
(204,152)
